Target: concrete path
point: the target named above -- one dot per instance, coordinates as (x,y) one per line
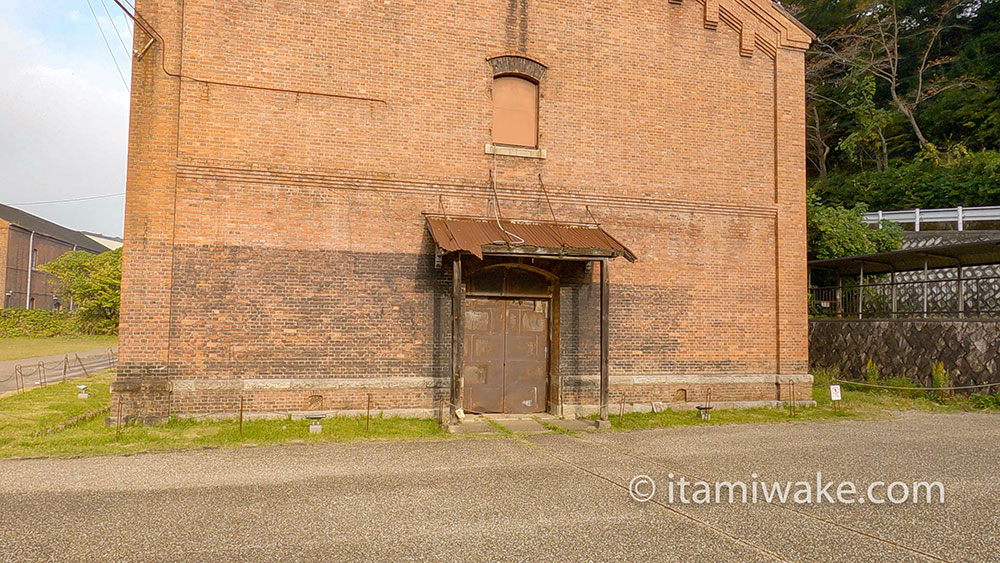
(94,360)
(536,497)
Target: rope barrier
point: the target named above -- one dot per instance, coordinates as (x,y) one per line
(63,367)
(997,384)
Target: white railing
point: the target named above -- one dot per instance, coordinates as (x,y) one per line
(957,215)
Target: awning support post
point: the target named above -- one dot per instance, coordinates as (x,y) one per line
(605,317)
(456,336)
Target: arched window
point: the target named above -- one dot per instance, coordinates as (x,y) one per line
(515,111)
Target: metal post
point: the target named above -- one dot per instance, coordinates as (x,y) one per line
(880,218)
(916,220)
(961,292)
(892,280)
(925,287)
(605,317)
(861,291)
(456,335)
(961,218)
(83,367)
(979,300)
(31,266)
(840,297)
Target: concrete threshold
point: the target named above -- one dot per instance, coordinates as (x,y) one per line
(536,423)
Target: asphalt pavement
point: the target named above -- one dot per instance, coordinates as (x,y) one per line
(538,497)
(92,360)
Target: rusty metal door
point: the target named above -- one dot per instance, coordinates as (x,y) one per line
(483,359)
(526,351)
(506,355)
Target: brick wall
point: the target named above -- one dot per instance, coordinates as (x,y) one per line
(274,245)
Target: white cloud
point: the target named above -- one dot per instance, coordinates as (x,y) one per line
(63,131)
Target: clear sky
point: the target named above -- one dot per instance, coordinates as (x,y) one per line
(63,111)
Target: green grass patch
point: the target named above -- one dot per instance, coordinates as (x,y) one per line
(21,348)
(47,422)
(857,404)
(503,430)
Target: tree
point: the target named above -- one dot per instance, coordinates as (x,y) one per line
(897,42)
(868,138)
(92,282)
(836,231)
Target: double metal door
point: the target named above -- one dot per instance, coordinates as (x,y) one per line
(506,355)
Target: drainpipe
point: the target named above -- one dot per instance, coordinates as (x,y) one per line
(31,266)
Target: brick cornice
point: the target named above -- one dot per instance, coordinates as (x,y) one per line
(761,24)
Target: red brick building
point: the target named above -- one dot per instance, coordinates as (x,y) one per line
(304,175)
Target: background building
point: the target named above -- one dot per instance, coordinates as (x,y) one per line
(321,204)
(26,242)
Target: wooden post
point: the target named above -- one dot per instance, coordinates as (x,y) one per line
(456,336)
(605,334)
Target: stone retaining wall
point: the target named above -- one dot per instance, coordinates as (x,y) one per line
(970,350)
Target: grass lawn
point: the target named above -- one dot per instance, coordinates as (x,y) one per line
(20,348)
(52,421)
(856,404)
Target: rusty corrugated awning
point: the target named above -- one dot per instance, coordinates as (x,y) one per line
(484,235)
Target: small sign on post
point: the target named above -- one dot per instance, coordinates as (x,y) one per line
(835,394)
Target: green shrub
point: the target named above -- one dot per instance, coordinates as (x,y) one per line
(93,282)
(835,231)
(36,322)
(984,401)
(961,178)
(903,382)
(871,373)
(940,378)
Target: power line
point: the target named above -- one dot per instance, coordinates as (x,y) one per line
(128,52)
(110,51)
(69,200)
